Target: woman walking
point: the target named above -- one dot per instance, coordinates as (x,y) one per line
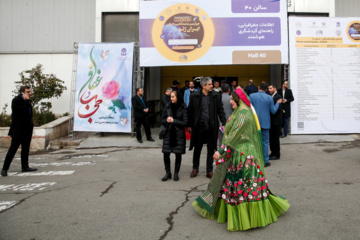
(175,117)
(238,193)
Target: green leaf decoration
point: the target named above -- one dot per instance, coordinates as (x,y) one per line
(119,104)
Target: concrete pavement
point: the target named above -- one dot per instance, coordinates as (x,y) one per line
(112,190)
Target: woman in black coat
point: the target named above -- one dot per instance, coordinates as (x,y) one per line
(175,117)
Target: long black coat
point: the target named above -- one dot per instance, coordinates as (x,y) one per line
(216,112)
(21,124)
(289,97)
(277,117)
(179,124)
(138,107)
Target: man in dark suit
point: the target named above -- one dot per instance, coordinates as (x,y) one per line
(205,108)
(165,99)
(141,112)
(251,88)
(20,130)
(287,96)
(275,126)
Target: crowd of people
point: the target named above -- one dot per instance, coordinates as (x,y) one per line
(237,125)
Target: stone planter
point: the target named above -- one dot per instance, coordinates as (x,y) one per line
(41,135)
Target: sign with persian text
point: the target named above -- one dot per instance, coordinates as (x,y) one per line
(174,33)
(325,75)
(104,87)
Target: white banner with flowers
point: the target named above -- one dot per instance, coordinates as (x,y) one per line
(103,87)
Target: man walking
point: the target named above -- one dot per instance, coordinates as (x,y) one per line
(205,108)
(20,130)
(264,105)
(287,97)
(225,98)
(275,126)
(141,112)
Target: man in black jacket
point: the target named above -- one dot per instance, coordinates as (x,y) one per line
(141,112)
(275,126)
(20,130)
(287,96)
(251,88)
(205,108)
(165,99)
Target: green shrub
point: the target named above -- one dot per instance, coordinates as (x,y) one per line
(5,119)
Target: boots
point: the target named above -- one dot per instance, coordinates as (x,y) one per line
(177,168)
(167,169)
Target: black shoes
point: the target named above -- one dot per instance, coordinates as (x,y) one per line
(140,141)
(176,176)
(29,169)
(4,173)
(151,140)
(267,164)
(167,176)
(274,158)
(283,136)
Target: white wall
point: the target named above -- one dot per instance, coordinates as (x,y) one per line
(12,64)
(311,6)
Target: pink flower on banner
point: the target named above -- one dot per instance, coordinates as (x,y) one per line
(255,193)
(111,90)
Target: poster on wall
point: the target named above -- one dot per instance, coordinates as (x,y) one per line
(104,87)
(212,32)
(325,75)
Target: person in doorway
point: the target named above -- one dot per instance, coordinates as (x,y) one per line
(275,126)
(188,92)
(233,86)
(175,117)
(251,88)
(287,97)
(205,109)
(264,106)
(20,130)
(182,90)
(217,87)
(141,115)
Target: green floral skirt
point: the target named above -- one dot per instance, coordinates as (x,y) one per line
(245,200)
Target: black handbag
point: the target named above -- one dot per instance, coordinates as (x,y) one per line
(164,128)
(163,131)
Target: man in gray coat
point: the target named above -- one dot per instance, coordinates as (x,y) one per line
(225,98)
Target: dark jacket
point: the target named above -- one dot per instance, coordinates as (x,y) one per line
(21,124)
(138,107)
(277,117)
(289,97)
(164,100)
(216,112)
(176,129)
(251,89)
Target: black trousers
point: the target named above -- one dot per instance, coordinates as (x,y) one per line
(204,136)
(167,160)
(145,122)
(275,140)
(25,146)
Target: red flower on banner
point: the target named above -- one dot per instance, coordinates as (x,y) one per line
(245,194)
(258,166)
(254,193)
(111,89)
(261,172)
(229,150)
(228,155)
(242,153)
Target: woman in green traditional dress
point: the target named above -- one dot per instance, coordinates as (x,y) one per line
(238,192)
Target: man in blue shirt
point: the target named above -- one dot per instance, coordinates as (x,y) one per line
(264,106)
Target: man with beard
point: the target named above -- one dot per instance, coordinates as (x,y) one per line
(275,126)
(287,96)
(188,92)
(205,108)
